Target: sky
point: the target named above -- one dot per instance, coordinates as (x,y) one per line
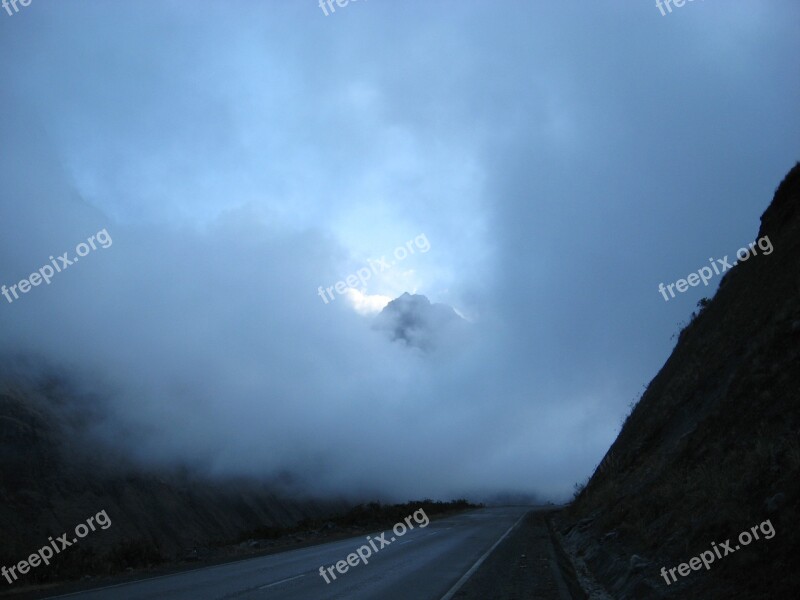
(235,160)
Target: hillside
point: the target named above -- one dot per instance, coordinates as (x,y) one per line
(713,447)
(54,475)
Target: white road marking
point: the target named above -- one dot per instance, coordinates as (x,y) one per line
(474,568)
(269,585)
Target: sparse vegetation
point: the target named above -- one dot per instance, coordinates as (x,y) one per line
(371,515)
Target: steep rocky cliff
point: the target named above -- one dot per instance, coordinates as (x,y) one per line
(713,447)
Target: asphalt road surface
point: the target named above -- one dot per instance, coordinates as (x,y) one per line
(423,564)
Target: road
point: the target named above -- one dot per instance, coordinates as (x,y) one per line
(422,564)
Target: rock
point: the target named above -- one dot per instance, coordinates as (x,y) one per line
(637,563)
(611,535)
(775,503)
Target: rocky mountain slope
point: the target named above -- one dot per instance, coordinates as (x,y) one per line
(713,447)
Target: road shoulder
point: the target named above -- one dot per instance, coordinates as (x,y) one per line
(524,566)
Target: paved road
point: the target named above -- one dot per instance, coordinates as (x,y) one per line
(422,564)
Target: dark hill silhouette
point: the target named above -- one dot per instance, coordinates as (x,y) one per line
(54,474)
(713,446)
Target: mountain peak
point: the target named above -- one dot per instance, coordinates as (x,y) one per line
(413,319)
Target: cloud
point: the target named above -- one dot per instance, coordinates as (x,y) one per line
(561,160)
(367,304)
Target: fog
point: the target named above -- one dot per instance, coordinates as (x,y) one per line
(560,160)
